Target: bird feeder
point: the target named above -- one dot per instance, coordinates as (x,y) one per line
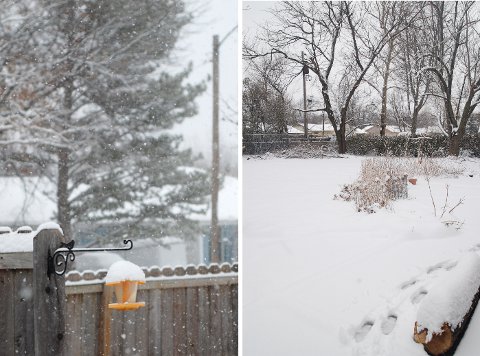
(125,277)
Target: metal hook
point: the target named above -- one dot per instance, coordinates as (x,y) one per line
(58,262)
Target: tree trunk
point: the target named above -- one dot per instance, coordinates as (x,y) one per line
(413,129)
(383,114)
(454,144)
(63,206)
(341,139)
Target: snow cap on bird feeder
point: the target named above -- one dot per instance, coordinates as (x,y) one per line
(125,277)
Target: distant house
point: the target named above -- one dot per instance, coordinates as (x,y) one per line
(24,203)
(322,130)
(228,223)
(429,130)
(374,130)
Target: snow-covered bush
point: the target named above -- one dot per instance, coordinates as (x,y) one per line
(380,182)
(405,146)
(383,179)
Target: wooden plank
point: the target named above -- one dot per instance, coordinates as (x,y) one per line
(141,325)
(215,322)
(7,312)
(89,320)
(234,336)
(167,322)
(225,316)
(73,325)
(84,288)
(154,322)
(129,347)
(23,309)
(180,322)
(117,334)
(49,297)
(193,321)
(204,320)
(16,260)
(104,329)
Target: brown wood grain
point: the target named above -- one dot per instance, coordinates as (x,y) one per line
(49,297)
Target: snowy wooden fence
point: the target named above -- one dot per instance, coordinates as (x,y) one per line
(189,311)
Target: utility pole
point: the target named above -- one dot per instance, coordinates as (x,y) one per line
(214,228)
(304,72)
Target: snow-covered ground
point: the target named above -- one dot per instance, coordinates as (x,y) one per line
(320,278)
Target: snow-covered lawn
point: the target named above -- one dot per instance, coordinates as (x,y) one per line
(321,278)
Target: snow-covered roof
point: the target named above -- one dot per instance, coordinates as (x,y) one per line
(24,202)
(294,130)
(18,241)
(227,202)
(391,128)
(320,127)
(96,260)
(429,129)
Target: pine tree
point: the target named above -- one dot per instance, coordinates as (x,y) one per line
(100,93)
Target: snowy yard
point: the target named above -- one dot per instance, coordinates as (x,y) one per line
(321,278)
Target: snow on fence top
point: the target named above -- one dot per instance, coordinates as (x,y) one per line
(451,298)
(155,272)
(21,240)
(124,271)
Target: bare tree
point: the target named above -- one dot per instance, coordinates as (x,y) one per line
(456,64)
(265,95)
(411,61)
(316,28)
(385,14)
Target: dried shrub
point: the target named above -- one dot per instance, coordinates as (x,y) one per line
(380,182)
(384,179)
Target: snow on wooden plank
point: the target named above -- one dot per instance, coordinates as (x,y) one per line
(445,312)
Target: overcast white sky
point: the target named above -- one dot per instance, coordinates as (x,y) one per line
(255,15)
(218,17)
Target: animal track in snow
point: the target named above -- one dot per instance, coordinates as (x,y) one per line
(408,283)
(418,295)
(363,330)
(446,265)
(389,324)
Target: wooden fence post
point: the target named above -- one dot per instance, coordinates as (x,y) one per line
(104,331)
(49,297)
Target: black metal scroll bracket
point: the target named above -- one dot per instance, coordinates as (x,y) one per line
(58,262)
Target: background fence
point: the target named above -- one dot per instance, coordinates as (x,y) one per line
(268,142)
(189,311)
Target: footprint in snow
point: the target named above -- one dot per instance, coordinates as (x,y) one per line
(407,284)
(363,330)
(418,296)
(446,265)
(389,324)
